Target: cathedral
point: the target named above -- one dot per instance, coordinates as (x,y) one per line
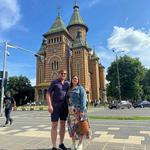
(66,47)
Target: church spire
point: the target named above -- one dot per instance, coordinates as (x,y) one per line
(76,18)
(75,5)
(59,11)
(58,25)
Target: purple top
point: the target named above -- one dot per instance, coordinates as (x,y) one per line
(57,90)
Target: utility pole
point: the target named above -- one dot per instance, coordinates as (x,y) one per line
(118,74)
(3,80)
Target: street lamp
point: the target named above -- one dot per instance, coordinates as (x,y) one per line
(118,74)
(8,45)
(3,79)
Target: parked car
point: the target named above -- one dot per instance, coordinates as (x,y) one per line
(121,105)
(113,105)
(125,104)
(141,104)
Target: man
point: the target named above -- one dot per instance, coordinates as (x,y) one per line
(58,108)
(9,102)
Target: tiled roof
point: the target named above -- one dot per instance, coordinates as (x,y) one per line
(76,18)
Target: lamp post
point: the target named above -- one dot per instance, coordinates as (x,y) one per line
(118,74)
(3,79)
(8,45)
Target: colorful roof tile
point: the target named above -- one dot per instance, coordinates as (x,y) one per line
(76,18)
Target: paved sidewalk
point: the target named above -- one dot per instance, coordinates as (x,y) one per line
(31,131)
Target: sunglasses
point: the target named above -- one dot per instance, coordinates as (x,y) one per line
(75,78)
(63,73)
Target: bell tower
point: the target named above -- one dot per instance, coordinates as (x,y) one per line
(78,30)
(58,41)
(76,26)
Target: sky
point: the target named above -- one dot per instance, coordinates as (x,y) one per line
(123,25)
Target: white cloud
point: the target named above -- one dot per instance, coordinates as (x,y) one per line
(129,39)
(33,81)
(9,17)
(9,14)
(105,55)
(93,2)
(135,42)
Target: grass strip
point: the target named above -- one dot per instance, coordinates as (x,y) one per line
(119,118)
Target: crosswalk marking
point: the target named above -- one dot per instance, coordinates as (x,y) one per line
(42,125)
(26,127)
(47,128)
(104,137)
(115,129)
(8,132)
(33,133)
(145,132)
(101,132)
(32,129)
(101,136)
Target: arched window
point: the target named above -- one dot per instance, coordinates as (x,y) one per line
(55,65)
(55,62)
(54,40)
(79,35)
(57,39)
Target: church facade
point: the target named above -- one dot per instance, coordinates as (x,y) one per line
(67,48)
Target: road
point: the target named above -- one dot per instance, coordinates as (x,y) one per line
(30,131)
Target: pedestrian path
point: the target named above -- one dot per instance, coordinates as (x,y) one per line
(104,139)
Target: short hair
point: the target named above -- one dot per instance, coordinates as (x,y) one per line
(8,92)
(62,70)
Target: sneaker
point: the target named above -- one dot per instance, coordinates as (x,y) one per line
(62,147)
(80,147)
(54,148)
(11,121)
(6,122)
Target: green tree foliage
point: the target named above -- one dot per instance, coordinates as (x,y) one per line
(131,74)
(146,86)
(21,89)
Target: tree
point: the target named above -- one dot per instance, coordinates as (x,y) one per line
(146,85)
(21,89)
(131,74)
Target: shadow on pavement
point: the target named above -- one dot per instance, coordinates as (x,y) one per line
(43,149)
(39,149)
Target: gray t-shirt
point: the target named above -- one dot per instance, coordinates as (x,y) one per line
(9,102)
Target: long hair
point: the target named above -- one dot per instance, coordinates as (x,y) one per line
(71,84)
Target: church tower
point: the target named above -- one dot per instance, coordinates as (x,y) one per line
(59,40)
(55,54)
(78,30)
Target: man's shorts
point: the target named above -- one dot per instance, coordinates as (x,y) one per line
(60,111)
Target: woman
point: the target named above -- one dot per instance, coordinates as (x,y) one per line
(76,98)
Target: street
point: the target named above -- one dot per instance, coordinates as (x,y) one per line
(30,131)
